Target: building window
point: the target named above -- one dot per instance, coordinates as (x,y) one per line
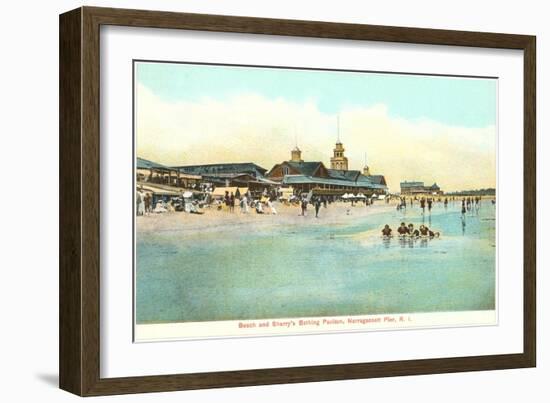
(285,170)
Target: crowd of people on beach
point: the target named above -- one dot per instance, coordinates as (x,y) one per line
(266,202)
(144,204)
(471,203)
(405,230)
(247,203)
(316,201)
(263,202)
(422,201)
(468,203)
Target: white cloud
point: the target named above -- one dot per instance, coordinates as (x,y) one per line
(250,127)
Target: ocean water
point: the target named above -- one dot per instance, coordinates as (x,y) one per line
(319,270)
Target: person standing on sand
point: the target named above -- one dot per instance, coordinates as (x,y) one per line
(226,199)
(317,207)
(271,207)
(232,203)
(304,207)
(241,204)
(147,200)
(139,201)
(244,208)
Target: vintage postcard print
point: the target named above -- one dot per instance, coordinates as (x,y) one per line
(279,201)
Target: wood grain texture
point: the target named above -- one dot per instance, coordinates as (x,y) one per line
(70,270)
(80,196)
(530,203)
(316,29)
(90,202)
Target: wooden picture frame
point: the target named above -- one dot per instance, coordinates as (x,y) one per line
(79,280)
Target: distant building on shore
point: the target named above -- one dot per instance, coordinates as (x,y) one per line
(415,187)
(155,173)
(240,174)
(223,168)
(302,176)
(305,176)
(476,192)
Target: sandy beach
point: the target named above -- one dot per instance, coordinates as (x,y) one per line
(338,213)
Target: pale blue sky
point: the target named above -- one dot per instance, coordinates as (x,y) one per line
(452,101)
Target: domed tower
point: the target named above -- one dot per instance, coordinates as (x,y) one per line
(296,155)
(339,161)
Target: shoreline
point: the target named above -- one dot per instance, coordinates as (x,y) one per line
(337,213)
